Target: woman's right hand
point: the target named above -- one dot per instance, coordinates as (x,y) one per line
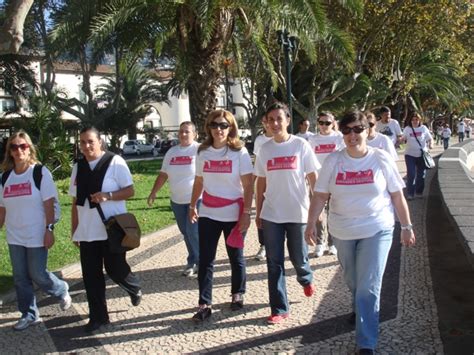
(193,215)
(151,199)
(310,234)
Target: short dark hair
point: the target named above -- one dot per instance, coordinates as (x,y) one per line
(353,116)
(384,109)
(278,106)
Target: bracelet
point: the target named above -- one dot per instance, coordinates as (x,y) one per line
(247,211)
(408,227)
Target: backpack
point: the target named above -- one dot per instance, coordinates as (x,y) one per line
(37,177)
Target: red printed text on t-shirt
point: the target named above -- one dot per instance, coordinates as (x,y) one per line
(15,190)
(183,160)
(218,166)
(355,177)
(324,148)
(417,134)
(282,163)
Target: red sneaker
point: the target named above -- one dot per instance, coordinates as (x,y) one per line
(308,290)
(277,318)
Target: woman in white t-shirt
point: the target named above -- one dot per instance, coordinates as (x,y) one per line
(179,168)
(28,214)
(377,140)
(365,187)
(328,140)
(417,137)
(284,167)
(224,179)
(100,179)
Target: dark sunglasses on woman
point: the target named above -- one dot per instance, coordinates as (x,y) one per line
(355,129)
(22,146)
(221,125)
(324,123)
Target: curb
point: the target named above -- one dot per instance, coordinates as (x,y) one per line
(68,270)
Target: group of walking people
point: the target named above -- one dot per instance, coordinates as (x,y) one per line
(212,185)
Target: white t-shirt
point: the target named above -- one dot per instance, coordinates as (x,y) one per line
(25,219)
(323,145)
(90,227)
(179,164)
(424,137)
(221,170)
(461,127)
(285,166)
(360,204)
(383,142)
(446,133)
(259,141)
(391,129)
(305,135)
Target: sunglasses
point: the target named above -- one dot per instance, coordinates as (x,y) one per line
(371,124)
(356,129)
(221,125)
(22,146)
(325,123)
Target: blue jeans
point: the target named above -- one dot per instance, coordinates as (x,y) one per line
(446,143)
(210,231)
(29,265)
(189,231)
(274,234)
(416,173)
(363,263)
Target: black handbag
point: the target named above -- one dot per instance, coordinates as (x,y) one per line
(427,158)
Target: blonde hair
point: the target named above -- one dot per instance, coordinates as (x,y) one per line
(233,139)
(8,162)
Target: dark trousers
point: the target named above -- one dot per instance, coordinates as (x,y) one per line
(209,234)
(261,239)
(94,256)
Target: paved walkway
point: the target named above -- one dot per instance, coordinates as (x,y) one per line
(161,323)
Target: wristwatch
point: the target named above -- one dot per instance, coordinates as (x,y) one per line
(408,227)
(50,227)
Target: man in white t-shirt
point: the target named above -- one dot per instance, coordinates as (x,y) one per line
(461,130)
(303,129)
(388,126)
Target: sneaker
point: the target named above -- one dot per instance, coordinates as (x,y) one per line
(136,298)
(277,318)
(308,290)
(261,255)
(190,271)
(66,301)
(25,322)
(237,302)
(319,251)
(202,314)
(332,250)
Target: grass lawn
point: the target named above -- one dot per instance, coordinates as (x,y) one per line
(64,252)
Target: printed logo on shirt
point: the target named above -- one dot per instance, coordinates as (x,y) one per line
(325,148)
(15,190)
(282,163)
(417,134)
(184,160)
(218,166)
(355,177)
(386,131)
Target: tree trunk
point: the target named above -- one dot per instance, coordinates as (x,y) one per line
(11,34)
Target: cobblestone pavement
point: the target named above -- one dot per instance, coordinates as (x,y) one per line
(162,324)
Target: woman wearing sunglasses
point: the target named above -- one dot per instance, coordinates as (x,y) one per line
(327,140)
(224,179)
(285,166)
(365,188)
(29,238)
(377,140)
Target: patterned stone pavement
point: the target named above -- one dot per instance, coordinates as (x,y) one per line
(162,324)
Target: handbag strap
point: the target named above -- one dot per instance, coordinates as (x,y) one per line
(414,134)
(101,213)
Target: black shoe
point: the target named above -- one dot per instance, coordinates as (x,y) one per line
(352,319)
(94,325)
(366,352)
(136,298)
(237,302)
(202,314)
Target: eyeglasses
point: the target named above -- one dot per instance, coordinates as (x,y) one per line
(22,146)
(221,125)
(324,123)
(355,129)
(371,124)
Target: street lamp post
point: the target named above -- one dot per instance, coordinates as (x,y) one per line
(289,44)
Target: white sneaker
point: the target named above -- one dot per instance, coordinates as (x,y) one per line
(332,250)
(319,251)
(262,254)
(24,323)
(190,271)
(66,301)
